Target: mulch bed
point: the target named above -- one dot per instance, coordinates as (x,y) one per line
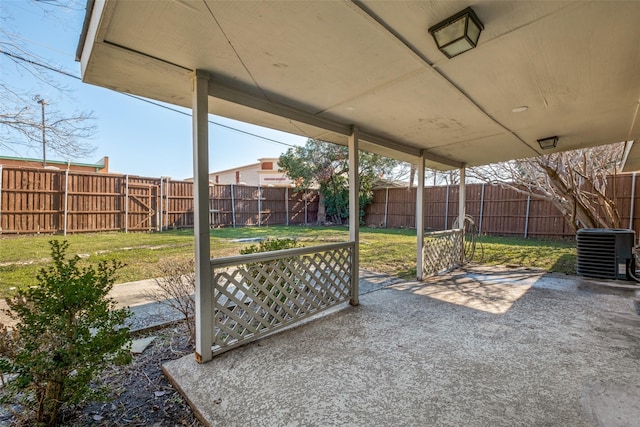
(140,394)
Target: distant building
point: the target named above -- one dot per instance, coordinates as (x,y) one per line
(266,173)
(102,166)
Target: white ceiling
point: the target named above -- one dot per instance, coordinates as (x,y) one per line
(316,68)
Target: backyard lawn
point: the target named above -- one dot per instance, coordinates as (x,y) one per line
(388,251)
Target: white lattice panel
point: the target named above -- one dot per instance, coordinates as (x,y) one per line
(441,251)
(256,298)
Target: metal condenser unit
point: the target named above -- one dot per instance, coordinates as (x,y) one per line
(606,253)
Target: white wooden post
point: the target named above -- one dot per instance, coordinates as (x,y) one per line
(481,211)
(632,204)
(420,217)
(462,200)
(354,215)
(204,291)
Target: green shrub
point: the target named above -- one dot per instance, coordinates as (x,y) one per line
(67,331)
(262,270)
(270,245)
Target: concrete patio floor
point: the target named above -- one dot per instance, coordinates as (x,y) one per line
(480,347)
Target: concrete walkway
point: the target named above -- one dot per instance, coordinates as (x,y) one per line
(485,347)
(146,313)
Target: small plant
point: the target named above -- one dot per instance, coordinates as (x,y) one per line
(67,330)
(256,269)
(270,245)
(176,289)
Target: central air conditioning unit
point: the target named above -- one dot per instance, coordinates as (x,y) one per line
(606,253)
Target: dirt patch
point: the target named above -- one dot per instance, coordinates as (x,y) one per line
(140,393)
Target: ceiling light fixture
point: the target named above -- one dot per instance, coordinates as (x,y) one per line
(547,143)
(457,34)
(520,109)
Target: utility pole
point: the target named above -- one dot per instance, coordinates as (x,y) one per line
(44,143)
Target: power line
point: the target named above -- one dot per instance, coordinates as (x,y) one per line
(148,101)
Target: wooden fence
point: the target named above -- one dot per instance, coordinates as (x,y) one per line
(495,210)
(54,201)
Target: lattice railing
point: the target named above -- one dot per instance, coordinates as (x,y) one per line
(441,251)
(257,294)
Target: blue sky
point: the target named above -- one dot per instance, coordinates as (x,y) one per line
(139,138)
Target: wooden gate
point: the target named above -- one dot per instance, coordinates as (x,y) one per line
(141,206)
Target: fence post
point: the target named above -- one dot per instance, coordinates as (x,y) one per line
(305,206)
(259,206)
(446,210)
(633,200)
(167,190)
(0,199)
(286,203)
(233,207)
(526,218)
(66,199)
(126,205)
(481,209)
(161,202)
(386,207)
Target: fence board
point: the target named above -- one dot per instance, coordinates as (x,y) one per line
(33,201)
(504,211)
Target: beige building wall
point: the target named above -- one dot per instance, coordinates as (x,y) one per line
(262,174)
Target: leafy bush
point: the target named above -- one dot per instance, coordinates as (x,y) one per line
(67,331)
(270,245)
(255,269)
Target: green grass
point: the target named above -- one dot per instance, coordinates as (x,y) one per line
(386,251)
(551,255)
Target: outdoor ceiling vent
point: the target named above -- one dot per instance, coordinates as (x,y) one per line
(606,253)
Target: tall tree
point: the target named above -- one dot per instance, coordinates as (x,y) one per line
(327,165)
(575,182)
(22,121)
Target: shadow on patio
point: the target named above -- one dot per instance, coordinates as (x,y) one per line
(483,346)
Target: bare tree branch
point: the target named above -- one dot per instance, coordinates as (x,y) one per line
(66,132)
(575,182)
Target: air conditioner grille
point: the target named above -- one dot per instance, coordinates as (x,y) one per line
(604,253)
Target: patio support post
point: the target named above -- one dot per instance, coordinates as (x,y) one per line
(462,199)
(420,217)
(354,214)
(204,293)
(633,200)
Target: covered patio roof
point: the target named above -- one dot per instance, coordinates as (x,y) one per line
(317,68)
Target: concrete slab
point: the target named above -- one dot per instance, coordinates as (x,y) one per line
(139,345)
(479,350)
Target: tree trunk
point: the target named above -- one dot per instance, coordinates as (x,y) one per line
(322,212)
